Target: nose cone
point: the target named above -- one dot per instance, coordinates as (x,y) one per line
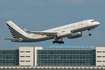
(97,23)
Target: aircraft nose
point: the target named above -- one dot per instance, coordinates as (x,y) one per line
(97,23)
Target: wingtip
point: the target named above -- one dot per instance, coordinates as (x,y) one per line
(24,29)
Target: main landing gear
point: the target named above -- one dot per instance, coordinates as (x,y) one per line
(60,42)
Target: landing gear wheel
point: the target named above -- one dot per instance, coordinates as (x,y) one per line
(59,42)
(62,42)
(54,42)
(89,34)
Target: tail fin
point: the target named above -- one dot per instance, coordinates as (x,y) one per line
(15,30)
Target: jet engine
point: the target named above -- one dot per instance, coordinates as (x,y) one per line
(64,33)
(75,35)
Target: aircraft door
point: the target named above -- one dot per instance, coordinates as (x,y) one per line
(86,24)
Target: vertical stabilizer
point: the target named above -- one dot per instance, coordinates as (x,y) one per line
(15,30)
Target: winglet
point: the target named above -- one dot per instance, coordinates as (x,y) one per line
(24,29)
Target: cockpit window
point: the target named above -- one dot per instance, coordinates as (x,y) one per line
(93,21)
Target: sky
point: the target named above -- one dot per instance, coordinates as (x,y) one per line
(39,15)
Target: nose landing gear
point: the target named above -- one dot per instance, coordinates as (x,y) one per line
(89,33)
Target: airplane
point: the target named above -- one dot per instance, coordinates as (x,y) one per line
(71,31)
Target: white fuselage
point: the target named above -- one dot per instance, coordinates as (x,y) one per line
(64,31)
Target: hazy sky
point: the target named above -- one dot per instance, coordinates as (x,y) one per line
(38,15)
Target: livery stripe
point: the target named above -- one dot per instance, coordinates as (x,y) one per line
(15,33)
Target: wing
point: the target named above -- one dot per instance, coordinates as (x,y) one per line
(42,33)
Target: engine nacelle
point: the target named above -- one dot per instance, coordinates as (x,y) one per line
(64,33)
(75,35)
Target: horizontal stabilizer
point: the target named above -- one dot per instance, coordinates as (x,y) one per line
(19,40)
